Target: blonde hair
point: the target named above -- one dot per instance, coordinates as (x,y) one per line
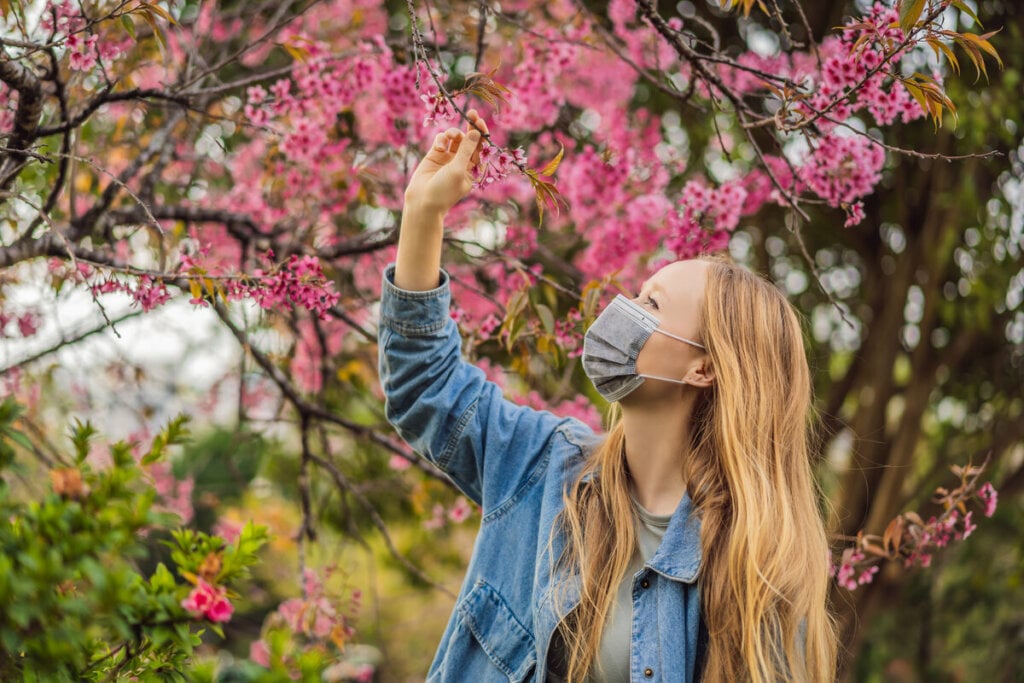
(765,550)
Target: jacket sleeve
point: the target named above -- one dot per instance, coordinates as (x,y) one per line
(444,406)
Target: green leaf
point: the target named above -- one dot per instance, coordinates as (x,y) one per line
(80,437)
(910,13)
(159,10)
(963,7)
(129,25)
(162,579)
(18,438)
(547,318)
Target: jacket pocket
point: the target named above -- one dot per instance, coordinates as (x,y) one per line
(508,644)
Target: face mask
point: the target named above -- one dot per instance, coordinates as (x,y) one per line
(612,344)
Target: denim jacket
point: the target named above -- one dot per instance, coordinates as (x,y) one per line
(514,462)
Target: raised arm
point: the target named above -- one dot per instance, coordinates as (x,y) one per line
(443,406)
(442,178)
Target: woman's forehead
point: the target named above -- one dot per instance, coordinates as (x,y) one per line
(681,277)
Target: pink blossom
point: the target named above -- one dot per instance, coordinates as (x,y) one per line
(323,623)
(304,141)
(436,520)
(200,599)
(989,496)
(706,217)
(311,583)
(867,575)
(314,614)
(175,495)
(460,511)
(259,652)
(146,292)
(299,281)
(438,107)
(846,572)
(28,324)
(399,463)
(292,611)
(255,94)
(854,214)
(209,602)
(220,610)
(228,529)
(969,526)
(82,51)
(494,166)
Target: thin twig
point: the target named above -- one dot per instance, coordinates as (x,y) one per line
(345,486)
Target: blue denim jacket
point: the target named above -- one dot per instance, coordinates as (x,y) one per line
(514,462)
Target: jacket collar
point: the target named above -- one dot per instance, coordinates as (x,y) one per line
(679,556)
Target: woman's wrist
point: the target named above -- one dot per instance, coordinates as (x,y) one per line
(420,238)
(419,206)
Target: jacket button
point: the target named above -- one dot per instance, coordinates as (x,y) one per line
(648,672)
(645,584)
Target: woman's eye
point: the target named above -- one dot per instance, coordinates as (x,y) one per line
(652,302)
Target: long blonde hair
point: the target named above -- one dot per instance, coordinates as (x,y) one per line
(764,547)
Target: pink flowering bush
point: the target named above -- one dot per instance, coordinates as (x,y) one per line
(306,636)
(912,540)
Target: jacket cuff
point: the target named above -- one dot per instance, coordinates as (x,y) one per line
(412,313)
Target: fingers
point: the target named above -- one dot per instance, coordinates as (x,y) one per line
(467,151)
(475,121)
(443,142)
(450,141)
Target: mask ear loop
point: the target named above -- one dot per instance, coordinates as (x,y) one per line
(665,379)
(682,339)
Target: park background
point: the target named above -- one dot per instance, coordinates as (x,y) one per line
(196,203)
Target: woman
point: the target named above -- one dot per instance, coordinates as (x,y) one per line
(684,545)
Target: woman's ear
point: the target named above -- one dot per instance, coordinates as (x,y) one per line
(702,374)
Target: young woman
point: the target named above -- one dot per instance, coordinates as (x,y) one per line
(684,545)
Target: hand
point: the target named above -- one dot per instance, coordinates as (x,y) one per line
(445,175)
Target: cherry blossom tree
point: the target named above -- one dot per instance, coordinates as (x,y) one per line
(249,159)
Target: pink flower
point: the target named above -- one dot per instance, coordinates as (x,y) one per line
(437,519)
(260,653)
(292,611)
(200,599)
(220,611)
(28,324)
(255,94)
(868,575)
(989,496)
(969,526)
(228,529)
(460,512)
(209,602)
(323,622)
(854,214)
(398,463)
(83,52)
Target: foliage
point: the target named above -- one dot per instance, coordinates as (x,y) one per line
(76,605)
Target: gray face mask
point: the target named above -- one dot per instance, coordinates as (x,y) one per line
(612,344)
